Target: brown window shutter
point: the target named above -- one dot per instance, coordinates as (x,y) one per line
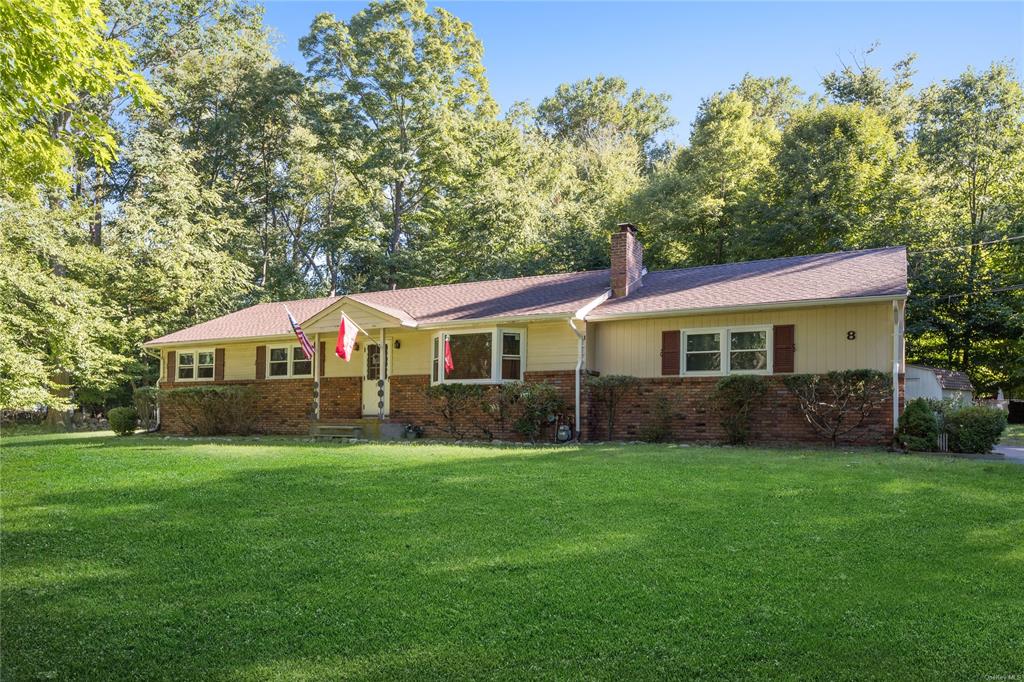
(172,358)
(670,353)
(218,364)
(261,363)
(784,348)
(323,356)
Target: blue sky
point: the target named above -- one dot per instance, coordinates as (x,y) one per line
(692,49)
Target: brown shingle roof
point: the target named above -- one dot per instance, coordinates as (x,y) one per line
(950,379)
(847,274)
(561,294)
(851,274)
(262,319)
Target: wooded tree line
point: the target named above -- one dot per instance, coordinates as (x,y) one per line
(160,167)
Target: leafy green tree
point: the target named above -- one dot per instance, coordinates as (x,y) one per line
(774,100)
(967,312)
(171,246)
(859,83)
(695,207)
(53,55)
(57,333)
(578,111)
(397,86)
(842,183)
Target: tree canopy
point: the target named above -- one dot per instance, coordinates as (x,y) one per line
(162,167)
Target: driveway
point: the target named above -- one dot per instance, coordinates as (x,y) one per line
(1011,452)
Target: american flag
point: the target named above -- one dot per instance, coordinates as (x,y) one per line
(307,345)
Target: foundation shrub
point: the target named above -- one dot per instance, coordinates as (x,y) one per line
(736,397)
(838,403)
(213,410)
(608,391)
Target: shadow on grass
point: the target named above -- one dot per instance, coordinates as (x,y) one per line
(580,565)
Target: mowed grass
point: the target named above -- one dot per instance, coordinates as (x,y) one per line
(264,559)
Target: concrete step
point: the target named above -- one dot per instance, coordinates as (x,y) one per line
(338,431)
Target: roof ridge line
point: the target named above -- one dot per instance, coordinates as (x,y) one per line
(766,260)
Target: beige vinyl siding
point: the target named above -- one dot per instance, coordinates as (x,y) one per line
(414,355)
(550,346)
(367,318)
(239,361)
(634,346)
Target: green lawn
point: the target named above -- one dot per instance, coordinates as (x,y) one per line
(1014,435)
(275,559)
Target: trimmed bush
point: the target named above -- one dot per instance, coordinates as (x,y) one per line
(919,427)
(145,401)
(540,403)
(608,391)
(123,420)
(975,429)
(736,397)
(451,401)
(838,403)
(213,410)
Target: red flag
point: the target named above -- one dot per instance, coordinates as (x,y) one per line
(347,331)
(448,364)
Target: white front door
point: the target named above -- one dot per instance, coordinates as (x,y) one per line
(375,380)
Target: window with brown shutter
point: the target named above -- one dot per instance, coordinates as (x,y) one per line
(784,348)
(670,353)
(171,358)
(261,363)
(218,364)
(323,356)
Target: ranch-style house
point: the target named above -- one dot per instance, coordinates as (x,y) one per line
(679,331)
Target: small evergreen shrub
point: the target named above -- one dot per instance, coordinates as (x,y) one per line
(213,410)
(500,403)
(659,428)
(145,401)
(451,401)
(540,404)
(608,391)
(736,396)
(838,403)
(919,427)
(123,420)
(975,429)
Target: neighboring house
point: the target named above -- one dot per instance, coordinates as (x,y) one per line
(678,330)
(938,384)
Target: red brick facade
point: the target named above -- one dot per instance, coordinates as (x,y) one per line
(285,406)
(341,398)
(686,404)
(409,404)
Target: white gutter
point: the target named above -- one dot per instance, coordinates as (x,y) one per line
(582,313)
(580,355)
(681,312)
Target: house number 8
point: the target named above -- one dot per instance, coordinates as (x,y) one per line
(851,336)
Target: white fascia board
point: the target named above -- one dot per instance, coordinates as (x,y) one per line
(206,342)
(478,321)
(598,317)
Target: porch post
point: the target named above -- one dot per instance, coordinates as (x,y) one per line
(316,375)
(380,376)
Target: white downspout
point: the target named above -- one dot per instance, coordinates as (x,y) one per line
(580,355)
(897,360)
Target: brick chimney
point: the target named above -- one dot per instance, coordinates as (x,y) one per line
(627,261)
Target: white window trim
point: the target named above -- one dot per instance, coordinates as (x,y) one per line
(496,355)
(195,366)
(291,362)
(724,351)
